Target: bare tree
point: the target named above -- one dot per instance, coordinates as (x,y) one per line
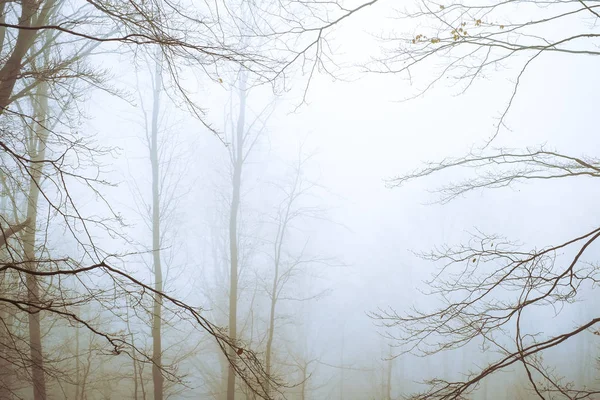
(162,216)
(288,263)
(237,155)
(489,286)
(490,283)
(157,377)
(244,137)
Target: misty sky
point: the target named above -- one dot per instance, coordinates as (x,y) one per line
(362,133)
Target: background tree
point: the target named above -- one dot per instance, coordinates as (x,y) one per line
(45,55)
(234,232)
(240,147)
(288,264)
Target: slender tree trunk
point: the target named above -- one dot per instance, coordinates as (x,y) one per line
(77,364)
(218,249)
(233,224)
(135,367)
(274,295)
(233,249)
(7,368)
(38,153)
(142,384)
(271,323)
(135,376)
(86,368)
(401,374)
(279,238)
(157,377)
(388,385)
(304,379)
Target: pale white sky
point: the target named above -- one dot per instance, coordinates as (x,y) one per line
(363,135)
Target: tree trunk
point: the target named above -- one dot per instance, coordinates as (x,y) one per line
(32,13)
(388,384)
(2,21)
(233,224)
(9,74)
(283,223)
(157,377)
(38,153)
(271,323)
(304,379)
(133,359)
(11,69)
(77,364)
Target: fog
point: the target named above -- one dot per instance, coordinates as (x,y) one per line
(299,200)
